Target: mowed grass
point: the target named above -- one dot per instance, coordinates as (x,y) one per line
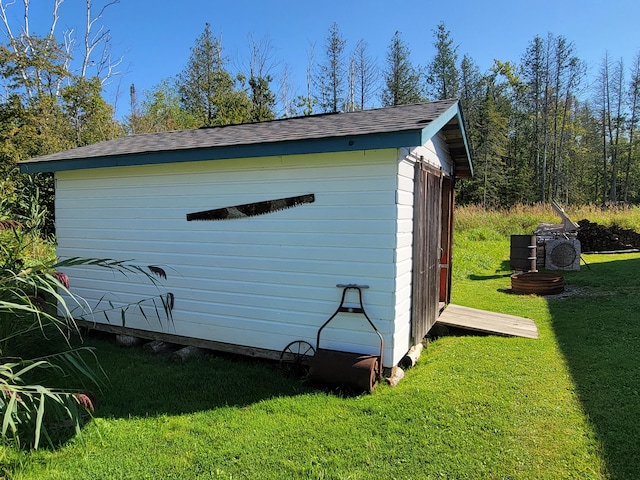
(564,406)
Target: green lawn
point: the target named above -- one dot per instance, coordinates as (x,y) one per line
(564,406)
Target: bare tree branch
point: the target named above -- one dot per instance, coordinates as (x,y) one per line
(5,20)
(287,100)
(13,42)
(26,17)
(25,44)
(56,6)
(92,41)
(261,61)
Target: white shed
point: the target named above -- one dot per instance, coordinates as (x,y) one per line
(369,197)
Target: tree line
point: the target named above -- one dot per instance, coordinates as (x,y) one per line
(538,127)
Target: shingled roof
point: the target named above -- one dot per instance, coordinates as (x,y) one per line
(392,127)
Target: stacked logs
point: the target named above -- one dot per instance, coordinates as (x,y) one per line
(598,238)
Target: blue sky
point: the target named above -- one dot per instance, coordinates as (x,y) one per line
(154,36)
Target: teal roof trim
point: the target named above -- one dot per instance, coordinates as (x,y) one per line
(296,147)
(463,131)
(438,124)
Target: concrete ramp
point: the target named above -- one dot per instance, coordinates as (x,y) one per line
(488,322)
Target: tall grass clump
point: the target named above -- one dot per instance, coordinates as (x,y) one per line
(474,220)
(517,220)
(622,216)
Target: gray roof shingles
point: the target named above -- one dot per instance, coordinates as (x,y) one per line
(406,118)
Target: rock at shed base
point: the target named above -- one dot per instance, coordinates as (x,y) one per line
(128,340)
(156,346)
(397,374)
(185,353)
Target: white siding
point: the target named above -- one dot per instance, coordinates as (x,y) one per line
(404,258)
(261,281)
(436,153)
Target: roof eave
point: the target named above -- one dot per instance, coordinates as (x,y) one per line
(297,147)
(464,166)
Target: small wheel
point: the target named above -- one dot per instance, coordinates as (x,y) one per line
(296,357)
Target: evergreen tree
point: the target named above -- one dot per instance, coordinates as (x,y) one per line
(584,183)
(491,185)
(471,94)
(263,100)
(491,153)
(522,177)
(402,82)
(551,74)
(331,79)
(207,90)
(609,104)
(577,174)
(442,72)
(535,75)
(567,72)
(633,103)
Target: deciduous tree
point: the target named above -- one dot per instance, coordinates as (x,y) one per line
(90,116)
(263,99)
(161,111)
(307,101)
(364,77)
(92,58)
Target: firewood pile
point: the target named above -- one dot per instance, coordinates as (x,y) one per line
(598,238)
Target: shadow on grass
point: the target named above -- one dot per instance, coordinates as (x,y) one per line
(143,384)
(489,277)
(500,273)
(598,332)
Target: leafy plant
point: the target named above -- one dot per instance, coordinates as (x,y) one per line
(162,303)
(38,359)
(29,323)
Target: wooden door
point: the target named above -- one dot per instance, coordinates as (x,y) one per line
(446,240)
(426,249)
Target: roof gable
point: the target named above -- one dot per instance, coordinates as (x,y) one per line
(392,127)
